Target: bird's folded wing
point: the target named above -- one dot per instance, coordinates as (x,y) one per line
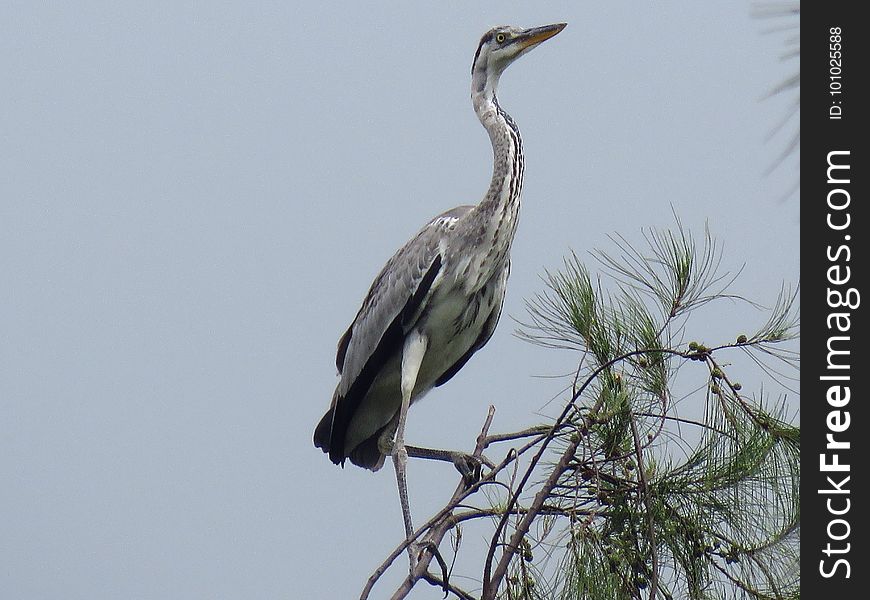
(396,297)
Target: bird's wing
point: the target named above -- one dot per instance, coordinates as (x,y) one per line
(392,305)
(395,297)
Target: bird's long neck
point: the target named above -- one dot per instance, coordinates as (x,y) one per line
(500,206)
(507,151)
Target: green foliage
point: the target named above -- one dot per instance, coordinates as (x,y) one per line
(661,477)
(694,508)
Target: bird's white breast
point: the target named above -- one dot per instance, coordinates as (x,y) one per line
(454,324)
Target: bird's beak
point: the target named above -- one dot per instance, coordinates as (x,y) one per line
(534,36)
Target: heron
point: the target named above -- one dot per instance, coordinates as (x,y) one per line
(437,301)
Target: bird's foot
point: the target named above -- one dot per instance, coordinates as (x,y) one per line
(469,467)
(416,550)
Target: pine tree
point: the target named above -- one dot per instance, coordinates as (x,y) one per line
(619,496)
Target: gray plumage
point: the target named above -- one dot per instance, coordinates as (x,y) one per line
(444,288)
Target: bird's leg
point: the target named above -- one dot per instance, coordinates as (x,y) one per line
(412,358)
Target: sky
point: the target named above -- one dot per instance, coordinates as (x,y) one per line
(194,198)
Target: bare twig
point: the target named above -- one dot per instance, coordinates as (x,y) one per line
(490,585)
(437,527)
(455,502)
(456,591)
(440,530)
(540,430)
(459,495)
(482,513)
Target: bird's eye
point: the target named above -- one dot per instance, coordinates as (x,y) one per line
(500,38)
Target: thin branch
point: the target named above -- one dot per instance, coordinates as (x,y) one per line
(540,430)
(446,585)
(490,586)
(644,486)
(437,534)
(462,491)
(680,420)
(525,523)
(481,513)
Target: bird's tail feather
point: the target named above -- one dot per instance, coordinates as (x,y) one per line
(367,455)
(323,431)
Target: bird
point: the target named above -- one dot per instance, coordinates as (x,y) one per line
(438,299)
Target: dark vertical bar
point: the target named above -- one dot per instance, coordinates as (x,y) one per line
(835,224)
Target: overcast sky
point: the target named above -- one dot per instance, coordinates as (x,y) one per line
(194,198)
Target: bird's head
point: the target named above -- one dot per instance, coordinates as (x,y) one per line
(500,46)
